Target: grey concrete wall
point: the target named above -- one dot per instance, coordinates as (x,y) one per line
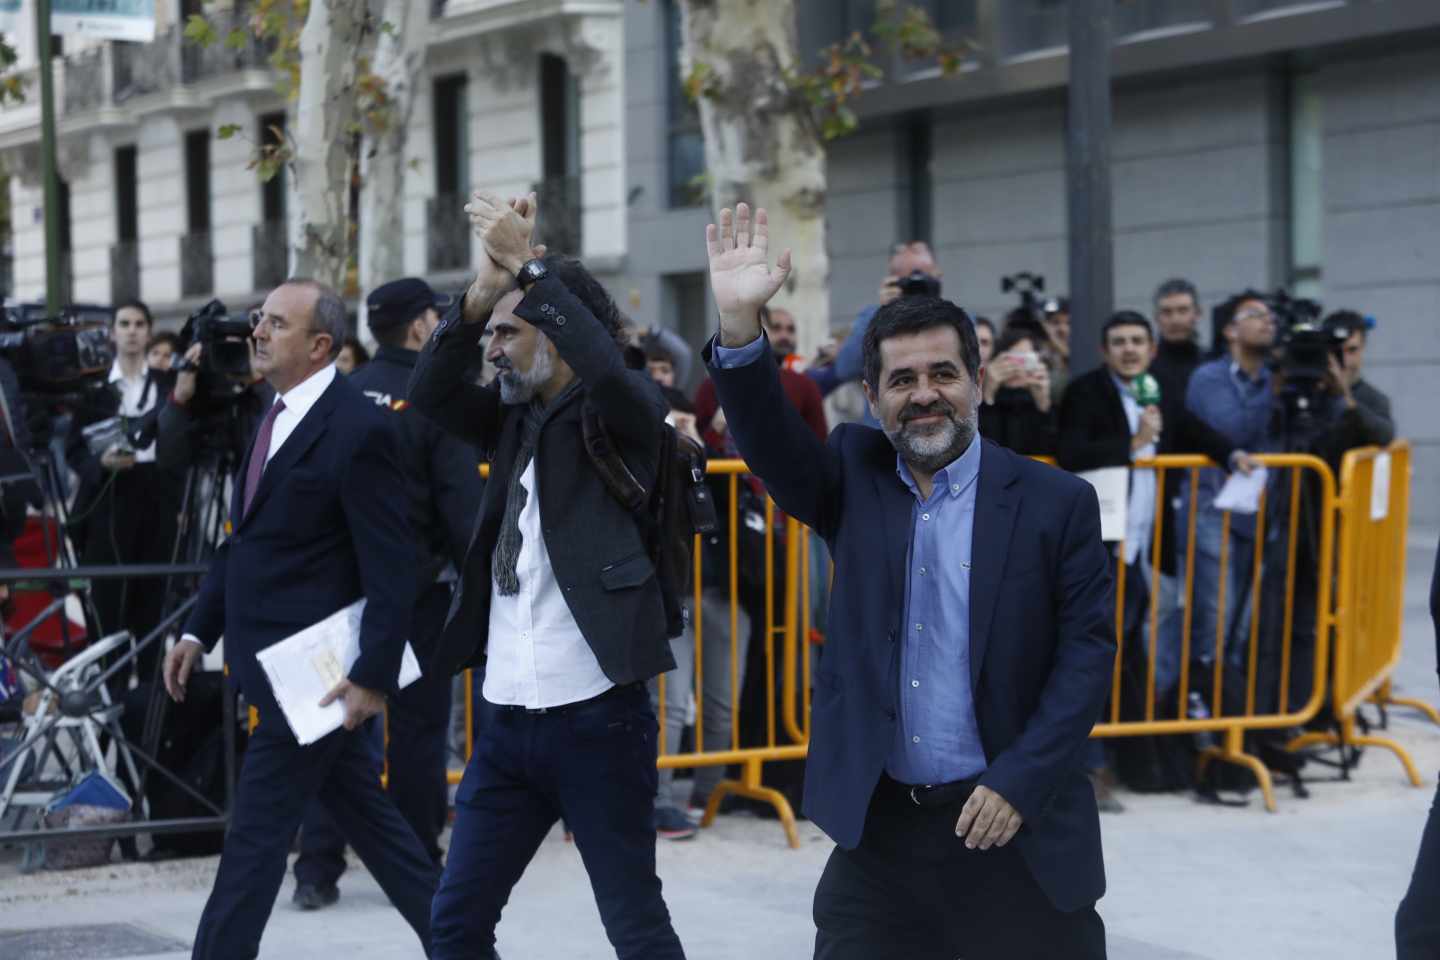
(1382,235)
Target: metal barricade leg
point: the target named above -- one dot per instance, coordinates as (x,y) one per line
(1233,752)
(1347,737)
(750,786)
(1385,697)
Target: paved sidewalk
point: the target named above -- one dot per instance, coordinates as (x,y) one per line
(1320,879)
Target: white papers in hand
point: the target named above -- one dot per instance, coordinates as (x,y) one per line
(1112,487)
(1241,494)
(305,666)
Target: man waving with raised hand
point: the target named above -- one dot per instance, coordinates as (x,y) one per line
(970,649)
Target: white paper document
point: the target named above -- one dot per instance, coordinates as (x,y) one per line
(1112,487)
(1241,494)
(1380,487)
(305,666)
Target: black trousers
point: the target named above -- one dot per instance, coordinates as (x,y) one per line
(1417,923)
(278,779)
(419,721)
(911,891)
(592,764)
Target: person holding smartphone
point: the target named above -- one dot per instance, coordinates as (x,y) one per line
(1017,411)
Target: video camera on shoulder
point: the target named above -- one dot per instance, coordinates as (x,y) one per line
(1305,344)
(58,355)
(224,366)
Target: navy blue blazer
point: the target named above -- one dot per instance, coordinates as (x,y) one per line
(329,525)
(1041,624)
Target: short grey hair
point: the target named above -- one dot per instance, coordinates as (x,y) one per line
(1176,287)
(328,316)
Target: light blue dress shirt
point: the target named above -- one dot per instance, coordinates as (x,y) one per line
(937,739)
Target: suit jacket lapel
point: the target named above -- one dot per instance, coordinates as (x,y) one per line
(311,426)
(1116,404)
(996,503)
(897,517)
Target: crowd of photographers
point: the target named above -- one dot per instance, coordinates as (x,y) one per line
(137,455)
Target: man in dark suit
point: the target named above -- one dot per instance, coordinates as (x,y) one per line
(444,485)
(1417,927)
(319,521)
(970,641)
(558,595)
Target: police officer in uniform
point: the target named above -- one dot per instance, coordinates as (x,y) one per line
(445,488)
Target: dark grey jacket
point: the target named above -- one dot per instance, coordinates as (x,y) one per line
(595,545)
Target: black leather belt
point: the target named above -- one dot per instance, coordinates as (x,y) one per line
(613,692)
(929,796)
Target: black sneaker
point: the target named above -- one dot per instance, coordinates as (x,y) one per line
(672,824)
(310,896)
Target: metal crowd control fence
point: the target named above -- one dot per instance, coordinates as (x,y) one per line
(1264,699)
(1250,671)
(1370,587)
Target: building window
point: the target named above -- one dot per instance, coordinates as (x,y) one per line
(1307,185)
(127,216)
(918,196)
(448,242)
(270,252)
(559,187)
(1029,25)
(821,23)
(684,141)
(1141,16)
(196,263)
(125,255)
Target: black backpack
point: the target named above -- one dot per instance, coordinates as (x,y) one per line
(670,515)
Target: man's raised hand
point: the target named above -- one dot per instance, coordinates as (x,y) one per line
(740,273)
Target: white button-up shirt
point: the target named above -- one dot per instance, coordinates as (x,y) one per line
(537,657)
(298,401)
(136,401)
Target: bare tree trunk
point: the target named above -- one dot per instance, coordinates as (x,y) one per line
(761,144)
(324,124)
(399,61)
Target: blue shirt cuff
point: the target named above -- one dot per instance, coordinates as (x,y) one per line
(728,358)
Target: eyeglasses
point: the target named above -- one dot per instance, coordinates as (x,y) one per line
(277,324)
(1255,315)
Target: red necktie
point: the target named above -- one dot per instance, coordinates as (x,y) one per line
(258,453)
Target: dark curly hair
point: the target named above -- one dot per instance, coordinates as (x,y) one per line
(584,287)
(910,315)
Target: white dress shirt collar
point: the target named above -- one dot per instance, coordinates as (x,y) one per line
(298,401)
(301,397)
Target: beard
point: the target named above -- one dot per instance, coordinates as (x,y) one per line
(931,447)
(517,387)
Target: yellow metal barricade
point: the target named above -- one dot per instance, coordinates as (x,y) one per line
(1364,628)
(1292,471)
(1370,588)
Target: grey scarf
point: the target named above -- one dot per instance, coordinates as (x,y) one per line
(507,546)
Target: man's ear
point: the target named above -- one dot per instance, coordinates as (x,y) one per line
(869,394)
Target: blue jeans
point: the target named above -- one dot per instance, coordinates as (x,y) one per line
(1205,599)
(718,718)
(593,764)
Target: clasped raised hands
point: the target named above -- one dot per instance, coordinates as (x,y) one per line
(740,274)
